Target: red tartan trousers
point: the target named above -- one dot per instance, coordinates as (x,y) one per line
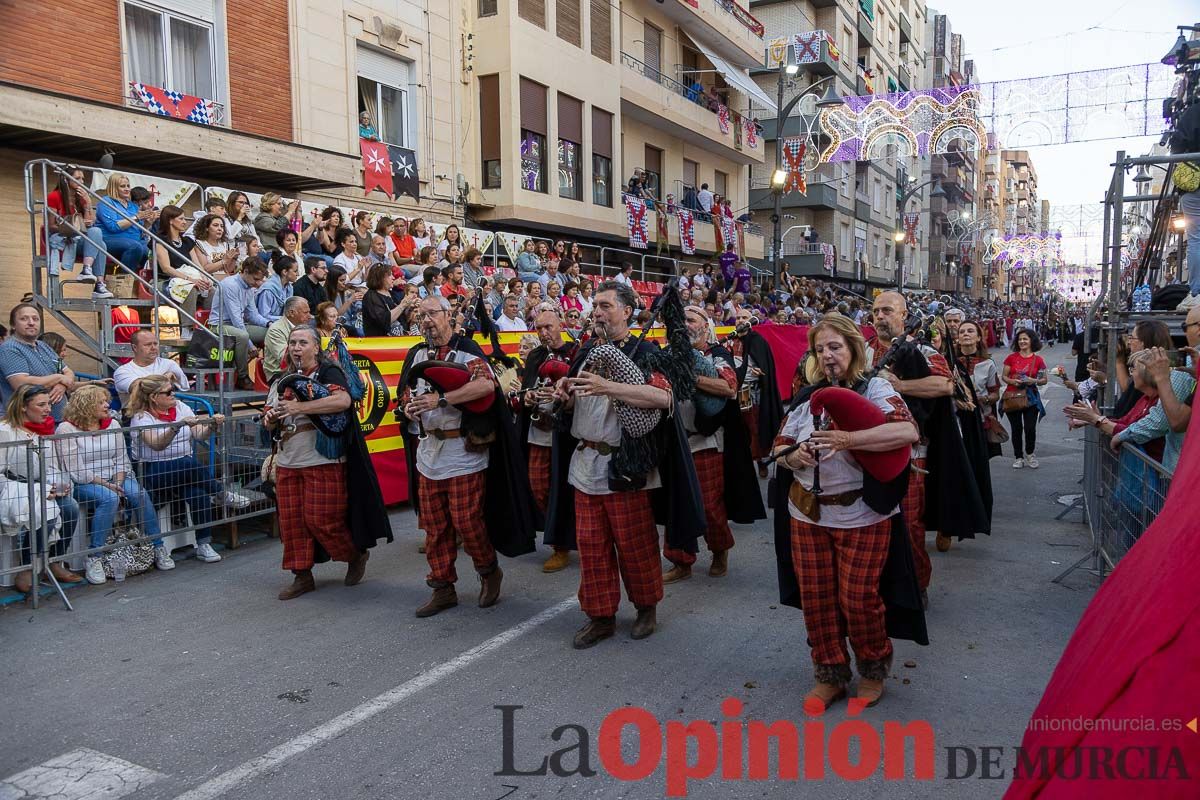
(913,509)
(448,509)
(617,540)
(312,508)
(710,470)
(539,475)
(751,419)
(838,570)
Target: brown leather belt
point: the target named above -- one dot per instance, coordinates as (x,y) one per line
(603,448)
(810,504)
(292,430)
(441,434)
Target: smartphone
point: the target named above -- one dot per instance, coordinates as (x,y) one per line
(1177,359)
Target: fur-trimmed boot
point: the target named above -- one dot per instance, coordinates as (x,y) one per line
(831,687)
(874,673)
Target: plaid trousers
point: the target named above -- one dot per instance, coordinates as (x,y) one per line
(838,571)
(617,540)
(710,470)
(451,508)
(913,509)
(539,475)
(312,508)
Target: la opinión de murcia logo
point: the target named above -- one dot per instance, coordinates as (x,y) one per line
(852,750)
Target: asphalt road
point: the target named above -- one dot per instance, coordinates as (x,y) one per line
(199,683)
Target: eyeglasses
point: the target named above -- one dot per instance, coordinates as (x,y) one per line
(169,392)
(1187,325)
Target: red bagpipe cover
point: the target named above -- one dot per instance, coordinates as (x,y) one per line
(552,369)
(850,411)
(446,376)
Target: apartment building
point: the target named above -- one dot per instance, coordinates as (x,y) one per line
(1010,196)
(570,97)
(867,47)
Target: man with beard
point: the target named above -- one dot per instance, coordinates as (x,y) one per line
(889,314)
(758,390)
(546,363)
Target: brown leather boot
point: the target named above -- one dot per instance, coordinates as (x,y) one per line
(444,597)
(556,562)
(23,582)
(870,683)
(645,623)
(64,575)
(302,584)
(943,542)
(870,691)
(679,572)
(720,564)
(489,587)
(357,568)
(596,630)
(822,696)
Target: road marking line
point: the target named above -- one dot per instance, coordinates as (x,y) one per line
(340,724)
(81,774)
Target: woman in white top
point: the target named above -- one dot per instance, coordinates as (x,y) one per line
(238,221)
(453,236)
(213,252)
(585,297)
(26,419)
(96,459)
(163,431)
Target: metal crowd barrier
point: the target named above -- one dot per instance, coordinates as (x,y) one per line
(173,497)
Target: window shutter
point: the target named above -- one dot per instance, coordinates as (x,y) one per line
(567,24)
(532,11)
(654,160)
(388,70)
(602,123)
(196,9)
(689,173)
(489,117)
(533,106)
(570,118)
(602,30)
(652,48)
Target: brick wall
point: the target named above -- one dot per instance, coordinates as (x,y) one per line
(260,84)
(96,75)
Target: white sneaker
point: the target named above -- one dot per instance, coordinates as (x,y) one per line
(1020,462)
(86,276)
(233,500)
(162,558)
(95,572)
(1031,461)
(101,292)
(205,552)
(1189,302)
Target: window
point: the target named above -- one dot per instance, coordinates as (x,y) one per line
(602,30)
(602,124)
(487,8)
(567,22)
(489,130)
(383,93)
(652,50)
(570,147)
(170,51)
(690,168)
(720,183)
(653,172)
(533,136)
(532,11)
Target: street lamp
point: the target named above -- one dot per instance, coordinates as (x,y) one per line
(780,175)
(936,191)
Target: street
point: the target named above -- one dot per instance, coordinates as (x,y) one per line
(199,683)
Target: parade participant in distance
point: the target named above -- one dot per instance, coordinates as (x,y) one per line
(465,469)
(758,390)
(832,546)
(614,463)
(546,363)
(328,494)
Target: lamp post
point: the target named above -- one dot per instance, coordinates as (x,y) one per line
(901,235)
(779,176)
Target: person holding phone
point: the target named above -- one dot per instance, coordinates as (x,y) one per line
(1024,371)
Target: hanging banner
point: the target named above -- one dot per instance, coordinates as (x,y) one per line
(660,224)
(807,46)
(723,117)
(751,128)
(911,220)
(830,256)
(729,233)
(165,103)
(512,243)
(635,216)
(776,52)
(687,231)
(793,157)
(717,237)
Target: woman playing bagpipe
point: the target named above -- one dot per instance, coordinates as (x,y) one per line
(840,546)
(328,495)
(619,456)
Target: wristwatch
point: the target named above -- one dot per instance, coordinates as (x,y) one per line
(442,400)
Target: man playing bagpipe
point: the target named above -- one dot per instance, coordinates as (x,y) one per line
(758,390)
(466,472)
(328,495)
(618,445)
(546,364)
(840,547)
(720,450)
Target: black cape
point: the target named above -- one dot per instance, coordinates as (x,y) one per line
(954,504)
(508,510)
(743,496)
(529,376)
(898,585)
(770,406)
(678,504)
(974,437)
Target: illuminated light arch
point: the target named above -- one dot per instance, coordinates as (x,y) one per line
(971,133)
(896,135)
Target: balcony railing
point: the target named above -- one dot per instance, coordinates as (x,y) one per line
(668,83)
(743,16)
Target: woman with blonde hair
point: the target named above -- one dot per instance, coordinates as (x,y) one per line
(93,454)
(839,537)
(122,223)
(273,218)
(163,429)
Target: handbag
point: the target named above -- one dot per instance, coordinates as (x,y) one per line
(995,432)
(1014,401)
(1186,176)
(138,557)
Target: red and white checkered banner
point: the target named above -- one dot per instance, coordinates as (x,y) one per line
(911,220)
(723,117)
(729,233)
(687,231)
(635,215)
(793,157)
(751,128)
(166,103)
(828,252)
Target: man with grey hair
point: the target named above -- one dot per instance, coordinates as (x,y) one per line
(954,317)
(275,343)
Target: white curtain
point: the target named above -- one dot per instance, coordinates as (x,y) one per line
(144,34)
(191,59)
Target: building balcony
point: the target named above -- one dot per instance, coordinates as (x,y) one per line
(905,77)
(820,197)
(866,31)
(664,103)
(905,29)
(725,26)
(805,258)
(824,63)
(862,210)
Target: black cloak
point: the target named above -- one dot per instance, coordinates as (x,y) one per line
(954,504)
(678,504)
(898,585)
(974,437)
(508,511)
(743,496)
(770,406)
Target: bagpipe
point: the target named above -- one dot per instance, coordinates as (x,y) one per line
(553,369)
(708,405)
(434,375)
(305,389)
